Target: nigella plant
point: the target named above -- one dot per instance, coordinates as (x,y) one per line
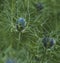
(39,6)
(48,42)
(20,24)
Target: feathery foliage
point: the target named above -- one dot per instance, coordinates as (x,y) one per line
(27,46)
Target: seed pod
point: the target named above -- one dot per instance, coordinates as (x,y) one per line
(48,42)
(20,24)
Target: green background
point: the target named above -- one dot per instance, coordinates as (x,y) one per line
(27,47)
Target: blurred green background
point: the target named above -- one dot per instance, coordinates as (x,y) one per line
(27,47)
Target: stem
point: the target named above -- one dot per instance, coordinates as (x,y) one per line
(19,40)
